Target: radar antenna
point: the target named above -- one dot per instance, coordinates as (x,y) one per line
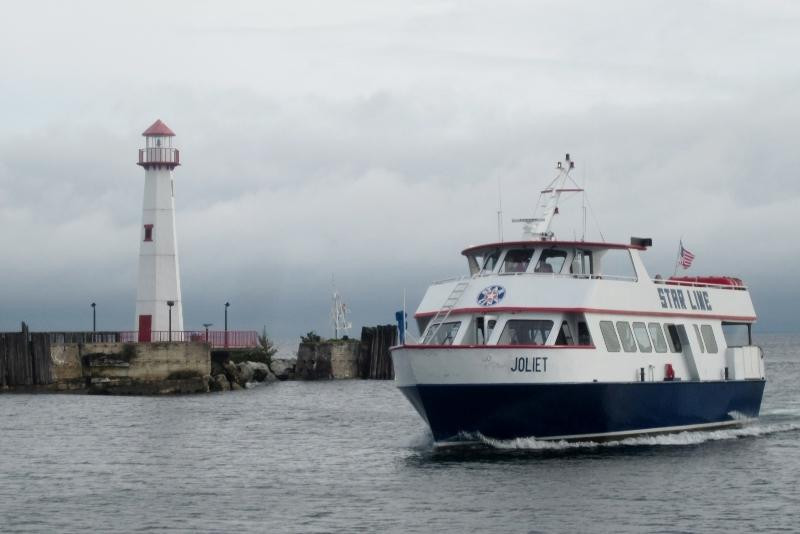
(339,313)
(539,227)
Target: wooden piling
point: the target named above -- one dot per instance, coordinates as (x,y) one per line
(375,362)
(25,359)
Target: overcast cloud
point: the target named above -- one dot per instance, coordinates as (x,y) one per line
(365,140)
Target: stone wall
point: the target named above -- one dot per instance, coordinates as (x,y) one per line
(328,359)
(67,366)
(145,368)
(344,359)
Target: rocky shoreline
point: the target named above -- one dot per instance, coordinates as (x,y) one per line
(230,376)
(55,362)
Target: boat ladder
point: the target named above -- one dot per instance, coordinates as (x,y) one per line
(444,312)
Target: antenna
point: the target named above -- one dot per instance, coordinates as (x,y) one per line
(339,313)
(539,227)
(499,209)
(583,204)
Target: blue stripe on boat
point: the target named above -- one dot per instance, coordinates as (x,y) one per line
(507,411)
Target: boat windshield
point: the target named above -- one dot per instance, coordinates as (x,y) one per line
(475,262)
(551,261)
(517,260)
(525,332)
(491,261)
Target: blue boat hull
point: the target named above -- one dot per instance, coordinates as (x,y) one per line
(594,410)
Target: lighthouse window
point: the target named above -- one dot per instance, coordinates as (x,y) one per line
(525,332)
(551,261)
(658,337)
(517,261)
(609,336)
(708,337)
(642,338)
(626,336)
(148,232)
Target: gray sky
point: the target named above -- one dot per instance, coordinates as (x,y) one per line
(366,140)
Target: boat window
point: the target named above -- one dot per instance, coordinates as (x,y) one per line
(480,337)
(565,335)
(582,263)
(708,337)
(491,261)
(517,260)
(626,336)
(609,336)
(736,334)
(584,337)
(616,264)
(699,337)
(483,330)
(642,338)
(551,261)
(490,324)
(658,337)
(443,335)
(525,332)
(474,261)
(673,339)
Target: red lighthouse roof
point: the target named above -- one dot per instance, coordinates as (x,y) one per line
(158,128)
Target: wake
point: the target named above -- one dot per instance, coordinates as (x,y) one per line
(676,439)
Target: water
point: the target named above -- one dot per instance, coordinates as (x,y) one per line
(354,457)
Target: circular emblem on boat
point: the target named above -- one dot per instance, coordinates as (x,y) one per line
(491,295)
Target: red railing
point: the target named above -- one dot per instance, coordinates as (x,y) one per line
(217,338)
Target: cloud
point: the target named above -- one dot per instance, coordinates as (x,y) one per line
(368,143)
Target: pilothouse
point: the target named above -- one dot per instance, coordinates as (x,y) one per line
(557,339)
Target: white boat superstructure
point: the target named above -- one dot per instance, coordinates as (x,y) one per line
(555,339)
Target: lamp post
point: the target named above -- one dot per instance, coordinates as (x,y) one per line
(170,303)
(94,317)
(206,325)
(227,305)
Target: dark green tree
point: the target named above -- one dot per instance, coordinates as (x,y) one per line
(310,337)
(266,346)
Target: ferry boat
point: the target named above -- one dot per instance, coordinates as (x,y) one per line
(573,340)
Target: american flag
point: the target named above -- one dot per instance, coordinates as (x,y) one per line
(686,258)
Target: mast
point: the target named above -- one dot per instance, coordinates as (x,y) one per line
(339,311)
(538,227)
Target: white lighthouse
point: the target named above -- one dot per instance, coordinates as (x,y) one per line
(158,297)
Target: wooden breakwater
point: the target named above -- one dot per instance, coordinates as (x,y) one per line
(375,362)
(25,359)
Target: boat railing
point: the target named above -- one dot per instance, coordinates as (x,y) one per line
(541,275)
(668,282)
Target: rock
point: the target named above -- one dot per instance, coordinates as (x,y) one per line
(219,383)
(232,372)
(235,386)
(283,368)
(262,373)
(246,372)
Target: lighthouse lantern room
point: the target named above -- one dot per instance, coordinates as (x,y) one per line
(158,296)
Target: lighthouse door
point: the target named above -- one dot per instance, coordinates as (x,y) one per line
(145,326)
